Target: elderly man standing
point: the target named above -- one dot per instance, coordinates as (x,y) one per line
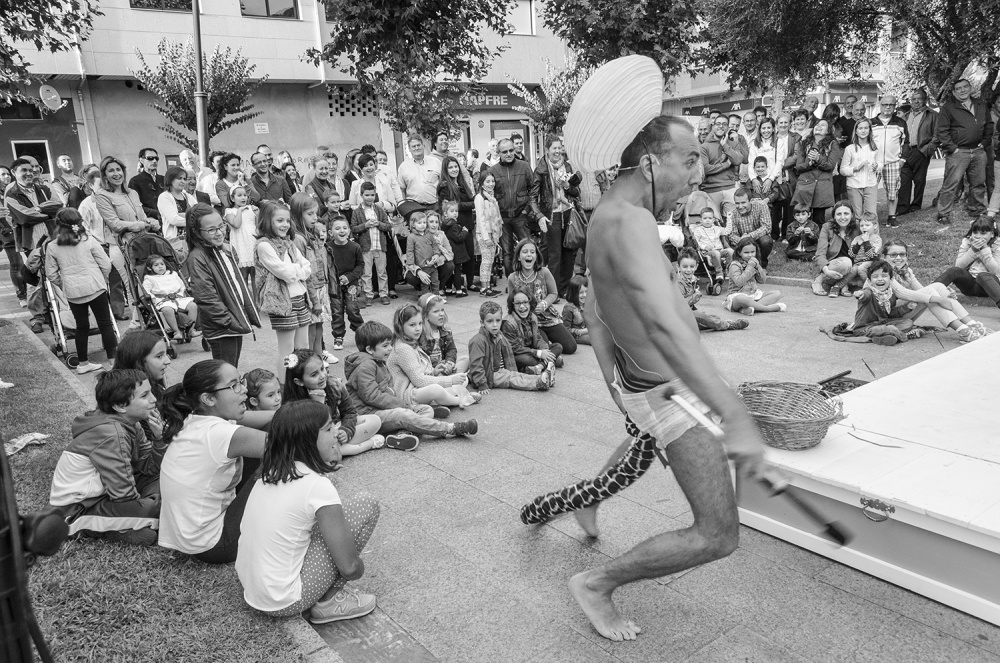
(964,126)
(890,135)
(859,111)
(513,191)
(811,104)
(722,154)
(921,125)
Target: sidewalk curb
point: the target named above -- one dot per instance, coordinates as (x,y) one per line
(86,395)
(789,281)
(308,644)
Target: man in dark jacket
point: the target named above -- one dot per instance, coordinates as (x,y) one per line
(264,184)
(225,307)
(147,183)
(921,122)
(548,193)
(964,127)
(722,153)
(513,192)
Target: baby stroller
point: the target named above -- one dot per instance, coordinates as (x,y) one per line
(136,251)
(61,320)
(705,268)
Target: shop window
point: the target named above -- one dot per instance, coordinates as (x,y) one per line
(20,111)
(39,149)
(163,5)
(523,18)
(270,8)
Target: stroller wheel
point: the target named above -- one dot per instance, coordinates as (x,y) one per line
(72,360)
(172,352)
(205,346)
(717,289)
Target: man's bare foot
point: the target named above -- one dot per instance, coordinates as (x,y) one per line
(588,520)
(601,610)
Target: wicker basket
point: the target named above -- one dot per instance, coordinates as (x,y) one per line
(790,415)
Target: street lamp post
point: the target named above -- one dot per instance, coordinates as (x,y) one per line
(200,96)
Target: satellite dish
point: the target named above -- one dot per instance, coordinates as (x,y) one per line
(50,97)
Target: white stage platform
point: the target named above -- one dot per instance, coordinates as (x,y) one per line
(921,449)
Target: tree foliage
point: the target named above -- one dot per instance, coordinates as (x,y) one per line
(602,30)
(52,26)
(398,49)
(559,86)
(228,80)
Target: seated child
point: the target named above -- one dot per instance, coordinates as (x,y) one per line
(370,386)
(866,247)
(709,238)
(761,187)
(802,234)
(436,338)
(170,297)
(107,480)
(299,541)
(572,313)
(687,264)
(745,273)
(423,253)
(491,359)
(442,246)
(349,264)
(306,378)
(532,353)
(263,390)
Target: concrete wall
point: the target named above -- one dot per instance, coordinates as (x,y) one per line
(298,120)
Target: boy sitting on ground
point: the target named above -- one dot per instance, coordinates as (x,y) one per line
(802,235)
(491,358)
(370,386)
(107,480)
(687,264)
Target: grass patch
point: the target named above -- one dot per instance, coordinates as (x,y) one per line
(98,601)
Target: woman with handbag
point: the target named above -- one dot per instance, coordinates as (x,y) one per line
(555,191)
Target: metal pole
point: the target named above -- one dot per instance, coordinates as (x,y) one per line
(200,96)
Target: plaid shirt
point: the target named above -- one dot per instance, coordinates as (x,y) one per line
(756,223)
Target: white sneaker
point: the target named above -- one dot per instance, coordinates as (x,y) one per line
(329,357)
(88,367)
(348,603)
(378,441)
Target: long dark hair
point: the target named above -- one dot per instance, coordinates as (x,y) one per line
(226,158)
(851,227)
(455,188)
(69,227)
(983,225)
(291,439)
(532,302)
(517,254)
(296,392)
(192,219)
(183,398)
(823,145)
(402,315)
(132,351)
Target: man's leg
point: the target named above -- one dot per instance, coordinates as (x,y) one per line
(954,170)
(507,245)
(906,181)
(976,201)
(764,246)
(700,467)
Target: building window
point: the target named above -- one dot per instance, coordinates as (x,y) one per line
(270,8)
(523,18)
(163,5)
(20,111)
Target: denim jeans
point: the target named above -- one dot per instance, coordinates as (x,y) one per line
(956,166)
(516,227)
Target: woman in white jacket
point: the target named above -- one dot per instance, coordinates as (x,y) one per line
(173,205)
(860,167)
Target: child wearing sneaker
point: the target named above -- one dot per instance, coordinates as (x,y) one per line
(306,378)
(687,264)
(442,247)
(107,479)
(492,364)
(348,264)
(423,255)
(370,223)
(532,353)
(370,385)
(801,235)
(263,390)
(436,338)
(745,273)
(572,313)
(413,377)
(300,543)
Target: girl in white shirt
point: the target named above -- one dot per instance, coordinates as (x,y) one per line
(300,542)
(860,166)
(205,477)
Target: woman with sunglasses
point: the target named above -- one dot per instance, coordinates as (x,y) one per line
(213,449)
(225,306)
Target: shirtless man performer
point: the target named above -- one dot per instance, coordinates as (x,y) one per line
(648,347)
